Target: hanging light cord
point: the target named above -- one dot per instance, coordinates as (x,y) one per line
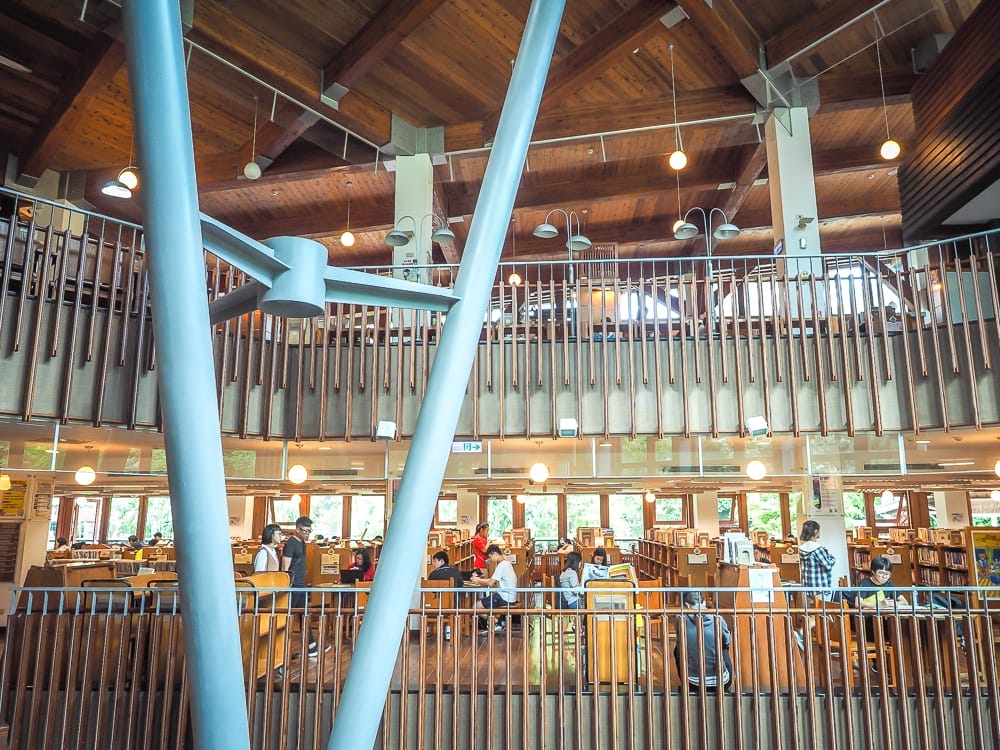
(680,215)
(349,185)
(878,56)
(253,138)
(673,94)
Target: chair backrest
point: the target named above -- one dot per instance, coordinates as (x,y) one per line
(833,625)
(648,597)
(442,599)
(362,597)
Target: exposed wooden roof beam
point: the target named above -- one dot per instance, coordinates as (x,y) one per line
(840,92)
(227,36)
(626,32)
(99,64)
(812,27)
(723,26)
(316,224)
(752,167)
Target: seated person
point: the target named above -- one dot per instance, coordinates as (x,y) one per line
(600,557)
(156,540)
(363,563)
(445,571)
(569,582)
(714,633)
(565,546)
(875,592)
(133,540)
(138,546)
(504,580)
(62,545)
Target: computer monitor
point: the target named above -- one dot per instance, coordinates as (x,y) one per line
(351,575)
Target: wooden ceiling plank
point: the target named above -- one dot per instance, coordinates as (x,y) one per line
(725,28)
(812,27)
(388,28)
(103,58)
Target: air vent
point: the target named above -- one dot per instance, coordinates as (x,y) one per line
(708,469)
(482,470)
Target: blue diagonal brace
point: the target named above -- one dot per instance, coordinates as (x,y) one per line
(360,712)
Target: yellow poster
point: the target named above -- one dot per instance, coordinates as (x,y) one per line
(12,501)
(987,561)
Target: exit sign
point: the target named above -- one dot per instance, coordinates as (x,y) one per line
(467,446)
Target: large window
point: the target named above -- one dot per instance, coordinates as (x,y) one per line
(447,511)
(158,518)
(764,512)
(123,517)
(53,520)
(626,516)
(327,514)
(541,515)
(582,510)
(367,516)
(499,514)
(87,519)
(670,510)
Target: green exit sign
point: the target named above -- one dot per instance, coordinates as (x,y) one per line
(467,446)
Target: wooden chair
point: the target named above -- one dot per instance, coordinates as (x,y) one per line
(833,634)
(650,599)
(438,605)
(263,623)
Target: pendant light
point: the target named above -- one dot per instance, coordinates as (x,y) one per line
(126,181)
(347,238)
(678,159)
(890,148)
(756,470)
(251,170)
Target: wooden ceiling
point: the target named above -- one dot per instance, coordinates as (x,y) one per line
(600,144)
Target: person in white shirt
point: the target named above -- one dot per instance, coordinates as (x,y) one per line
(267,556)
(504,580)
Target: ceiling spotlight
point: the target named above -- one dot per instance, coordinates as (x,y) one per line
(297,474)
(538,473)
(756,470)
(85,475)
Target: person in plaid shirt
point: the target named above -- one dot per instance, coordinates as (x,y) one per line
(815,562)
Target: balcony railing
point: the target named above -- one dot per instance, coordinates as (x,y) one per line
(92,667)
(773,330)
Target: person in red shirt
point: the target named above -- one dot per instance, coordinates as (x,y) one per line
(479,543)
(363,562)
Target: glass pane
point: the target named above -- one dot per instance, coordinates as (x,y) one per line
(53,517)
(123,517)
(582,510)
(626,516)
(327,514)
(794,498)
(764,512)
(367,516)
(447,511)
(499,515)
(541,515)
(158,518)
(669,510)
(854,509)
(284,510)
(86,519)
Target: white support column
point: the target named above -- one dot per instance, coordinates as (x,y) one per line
(794,212)
(952,509)
(415,199)
(823,498)
(705,512)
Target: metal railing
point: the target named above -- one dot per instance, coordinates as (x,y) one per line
(819,342)
(633,667)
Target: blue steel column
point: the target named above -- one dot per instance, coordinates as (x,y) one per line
(186,373)
(360,711)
